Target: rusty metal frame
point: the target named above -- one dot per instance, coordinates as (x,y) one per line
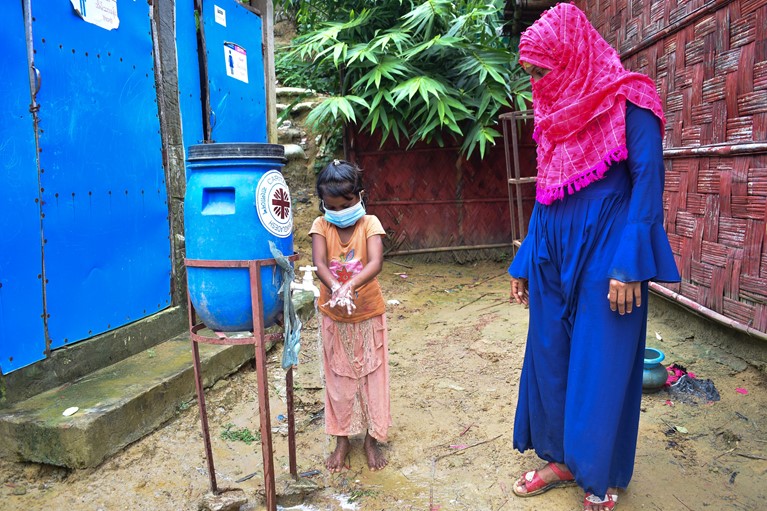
(513,173)
(258,339)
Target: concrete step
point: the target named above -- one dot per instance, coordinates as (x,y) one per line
(118,404)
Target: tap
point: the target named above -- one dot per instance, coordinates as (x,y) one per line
(307,282)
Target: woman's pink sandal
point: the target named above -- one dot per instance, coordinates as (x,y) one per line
(534,485)
(609,502)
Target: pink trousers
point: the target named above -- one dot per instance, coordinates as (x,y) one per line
(356,363)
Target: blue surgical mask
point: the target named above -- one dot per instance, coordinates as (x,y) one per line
(345,217)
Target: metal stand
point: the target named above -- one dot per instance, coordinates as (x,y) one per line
(258,339)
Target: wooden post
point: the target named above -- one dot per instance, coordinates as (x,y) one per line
(266,8)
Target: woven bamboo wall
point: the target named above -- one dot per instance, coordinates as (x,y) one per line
(709,61)
(429,197)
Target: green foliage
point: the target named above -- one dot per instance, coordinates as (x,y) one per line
(415,70)
(308,15)
(358,494)
(239,435)
(319,76)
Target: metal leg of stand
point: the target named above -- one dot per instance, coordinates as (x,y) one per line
(291,424)
(263,389)
(201,402)
(203,416)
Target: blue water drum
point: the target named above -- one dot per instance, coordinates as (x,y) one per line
(236,202)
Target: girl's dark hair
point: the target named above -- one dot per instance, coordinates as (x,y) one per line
(339,179)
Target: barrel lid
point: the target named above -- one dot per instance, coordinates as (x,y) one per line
(235,150)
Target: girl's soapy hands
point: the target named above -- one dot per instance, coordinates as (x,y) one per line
(342,296)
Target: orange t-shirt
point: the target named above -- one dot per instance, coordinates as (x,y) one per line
(345,260)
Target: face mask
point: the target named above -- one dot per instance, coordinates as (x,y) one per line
(346,217)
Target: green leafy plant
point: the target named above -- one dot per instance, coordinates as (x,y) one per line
(309,14)
(416,71)
(233,434)
(321,77)
(358,494)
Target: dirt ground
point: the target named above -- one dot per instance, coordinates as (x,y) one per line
(456,351)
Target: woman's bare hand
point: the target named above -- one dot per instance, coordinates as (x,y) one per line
(519,291)
(623,296)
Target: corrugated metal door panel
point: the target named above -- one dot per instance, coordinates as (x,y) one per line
(235,72)
(190,96)
(22,338)
(107,247)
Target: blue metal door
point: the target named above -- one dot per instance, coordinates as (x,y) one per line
(22,337)
(105,222)
(235,64)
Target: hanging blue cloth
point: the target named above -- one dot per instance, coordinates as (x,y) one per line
(581,384)
(291,324)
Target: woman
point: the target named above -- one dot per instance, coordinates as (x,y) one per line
(595,239)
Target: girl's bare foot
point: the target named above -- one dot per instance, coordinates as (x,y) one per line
(335,462)
(376,459)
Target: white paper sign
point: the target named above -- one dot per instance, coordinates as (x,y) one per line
(220,15)
(236,59)
(102,13)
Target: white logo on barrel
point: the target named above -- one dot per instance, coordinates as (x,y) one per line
(273,204)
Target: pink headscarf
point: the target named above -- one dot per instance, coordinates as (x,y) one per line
(580,105)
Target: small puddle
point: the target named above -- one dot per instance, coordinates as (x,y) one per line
(342,500)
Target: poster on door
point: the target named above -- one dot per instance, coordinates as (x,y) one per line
(236,59)
(102,13)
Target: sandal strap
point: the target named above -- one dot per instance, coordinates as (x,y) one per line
(533,480)
(610,499)
(563,475)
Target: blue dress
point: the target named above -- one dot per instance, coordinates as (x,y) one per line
(581,383)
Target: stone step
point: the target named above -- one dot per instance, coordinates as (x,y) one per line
(289,135)
(298,108)
(118,404)
(293,91)
(294,152)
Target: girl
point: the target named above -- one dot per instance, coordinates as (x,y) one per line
(596,237)
(347,250)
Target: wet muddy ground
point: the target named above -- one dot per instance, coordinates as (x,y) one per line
(456,349)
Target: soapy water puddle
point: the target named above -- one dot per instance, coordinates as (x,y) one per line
(343,502)
(334,502)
